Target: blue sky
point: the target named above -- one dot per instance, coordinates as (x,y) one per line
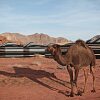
(72,19)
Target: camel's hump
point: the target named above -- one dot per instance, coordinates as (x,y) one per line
(81,43)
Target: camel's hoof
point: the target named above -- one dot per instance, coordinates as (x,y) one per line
(93,90)
(71,95)
(67,93)
(79,93)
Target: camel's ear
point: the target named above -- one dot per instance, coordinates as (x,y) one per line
(56,46)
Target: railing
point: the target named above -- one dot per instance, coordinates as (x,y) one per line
(22,52)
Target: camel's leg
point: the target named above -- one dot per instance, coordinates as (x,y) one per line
(76,75)
(86,77)
(75,81)
(70,71)
(93,75)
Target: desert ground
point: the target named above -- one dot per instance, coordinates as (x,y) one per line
(40,78)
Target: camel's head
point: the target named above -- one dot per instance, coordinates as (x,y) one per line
(52,48)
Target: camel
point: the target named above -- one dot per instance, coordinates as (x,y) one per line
(78,56)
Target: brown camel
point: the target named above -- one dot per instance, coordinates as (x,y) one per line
(78,56)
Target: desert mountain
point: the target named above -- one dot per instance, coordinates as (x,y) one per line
(36,38)
(3,39)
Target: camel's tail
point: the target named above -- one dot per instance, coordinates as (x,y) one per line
(81,43)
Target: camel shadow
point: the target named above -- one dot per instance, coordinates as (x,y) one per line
(35,75)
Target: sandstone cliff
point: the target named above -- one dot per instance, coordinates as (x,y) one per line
(36,38)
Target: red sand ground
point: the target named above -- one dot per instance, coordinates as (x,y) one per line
(39,78)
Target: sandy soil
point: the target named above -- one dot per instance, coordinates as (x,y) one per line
(39,78)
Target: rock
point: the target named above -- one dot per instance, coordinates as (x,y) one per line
(37,38)
(3,39)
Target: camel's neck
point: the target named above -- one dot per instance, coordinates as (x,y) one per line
(61,59)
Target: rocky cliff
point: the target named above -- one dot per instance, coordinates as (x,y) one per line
(3,39)
(36,38)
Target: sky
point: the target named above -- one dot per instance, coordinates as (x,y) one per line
(71,19)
